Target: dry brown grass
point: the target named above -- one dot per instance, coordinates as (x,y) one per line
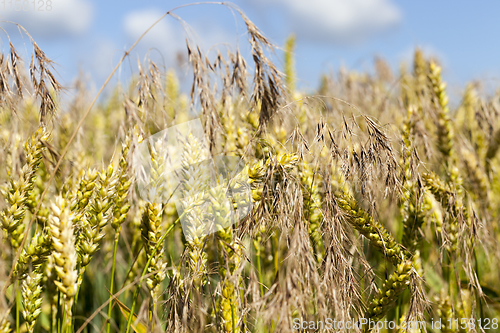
(364,201)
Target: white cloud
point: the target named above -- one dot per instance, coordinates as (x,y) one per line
(339,20)
(168,36)
(162,36)
(67,18)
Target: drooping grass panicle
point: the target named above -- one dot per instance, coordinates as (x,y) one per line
(356,204)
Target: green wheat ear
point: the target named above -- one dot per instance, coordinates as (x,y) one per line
(151,226)
(97,215)
(451,202)
(379,236)
(32,298)
(34,255)
(310,181)
(151,229)
(390,291)
(444,124)
(420,72)
(18,192)
(121,207)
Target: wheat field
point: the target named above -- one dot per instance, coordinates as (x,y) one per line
(369,205)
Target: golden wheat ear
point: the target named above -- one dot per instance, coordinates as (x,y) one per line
(65,255)
(32,298)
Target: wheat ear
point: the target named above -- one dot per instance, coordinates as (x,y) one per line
(229,258)
(390,291)
(32,298)
(34,255)
(94,219)
(194,184)
(19,191)
(64,254)
(371,229)
(312,208)
(444,125)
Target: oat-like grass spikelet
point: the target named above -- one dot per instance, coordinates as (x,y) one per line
(64,254)
(44,67)
(268,87)
(267,176)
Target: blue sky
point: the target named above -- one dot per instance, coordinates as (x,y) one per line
(91,35)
